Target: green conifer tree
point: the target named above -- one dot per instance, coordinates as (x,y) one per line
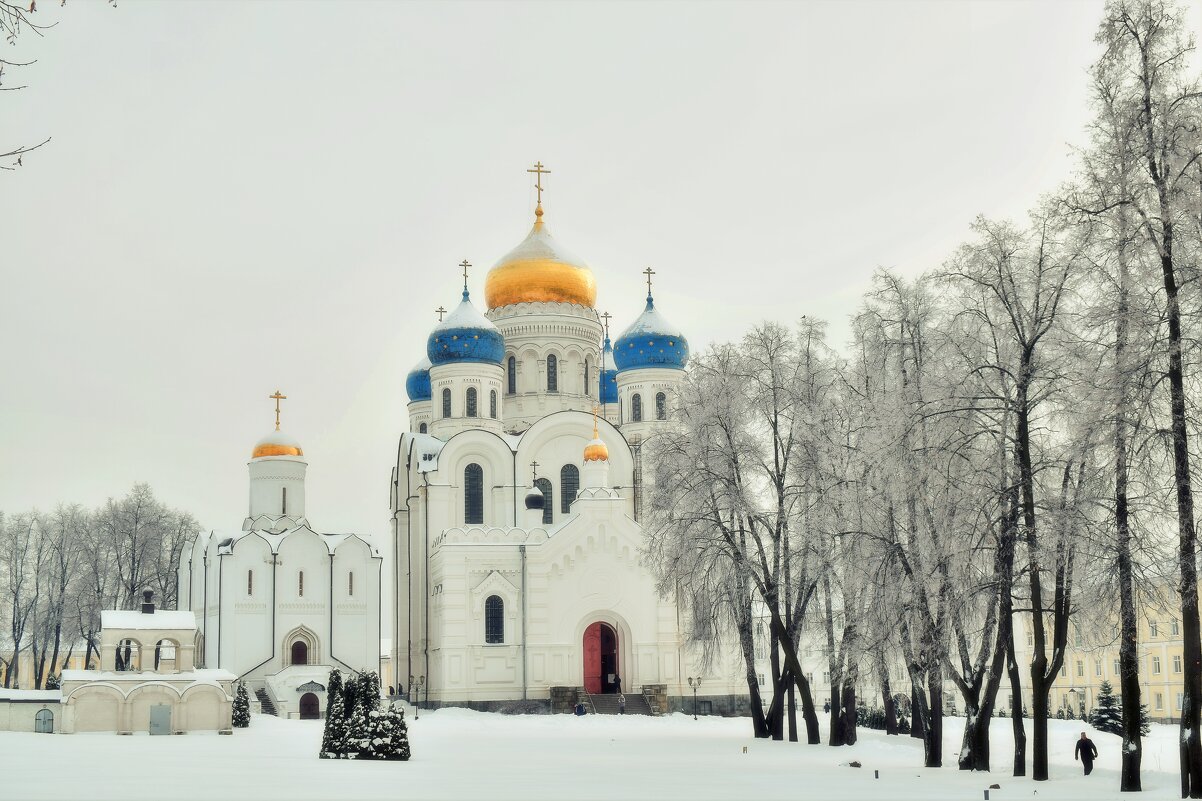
(241,708)
(333,742)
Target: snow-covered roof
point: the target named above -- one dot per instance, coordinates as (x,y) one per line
(158,619)
(30,696)
(274,537)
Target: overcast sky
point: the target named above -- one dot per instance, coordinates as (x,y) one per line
(241,196)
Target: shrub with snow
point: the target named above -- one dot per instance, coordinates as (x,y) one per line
(333,741)
(241,708)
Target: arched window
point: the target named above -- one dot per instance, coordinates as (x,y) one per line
(569,485)
(446,402)
(422,429)
(300,583)
(473,494)
(511,372)
(588,388)
(492,404)
(300,653)
(283,500)
(661,406)
(350,583)
(250,582)
(471,401)
(544,486)
(636,407)
(494,620)
(552,373)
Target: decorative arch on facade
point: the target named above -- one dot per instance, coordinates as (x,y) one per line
(301,641)
(166,655)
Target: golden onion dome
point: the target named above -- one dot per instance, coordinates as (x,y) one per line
(596,451)
(540,270)
(276,443)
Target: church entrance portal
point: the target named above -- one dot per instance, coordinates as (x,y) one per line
(600,659)
(300,653)
(309,707)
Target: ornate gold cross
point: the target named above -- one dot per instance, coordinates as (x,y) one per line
(465,264)
(277,397)
(538,182)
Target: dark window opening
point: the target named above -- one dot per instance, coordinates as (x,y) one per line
(512,376)
(552,374)
(473,494)
(661,406)
(471,401)
(569,485)
(446,403)
(492,404)
(636,408)
(494,620)
(544,486)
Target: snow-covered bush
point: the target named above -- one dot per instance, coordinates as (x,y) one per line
(241,708)
(333,741)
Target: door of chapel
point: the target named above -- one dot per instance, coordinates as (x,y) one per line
(310,707)
(600,659)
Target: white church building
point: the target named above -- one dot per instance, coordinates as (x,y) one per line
(516,501)
(279,604)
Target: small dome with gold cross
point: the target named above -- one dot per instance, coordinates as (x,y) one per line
(277,443)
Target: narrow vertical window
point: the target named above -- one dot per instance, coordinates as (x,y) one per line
(492,404)
(569,485)
(494,620)
(544,486)
(446,403)
(300,583)
(350,583)
(473,494)
(422,429)
(250,582)
(283,500)
(512,376)
(552,373)
(471,401)
(661,406)
(636,408)
(588,391)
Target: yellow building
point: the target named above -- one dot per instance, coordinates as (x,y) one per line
(26,672)
(1092,657)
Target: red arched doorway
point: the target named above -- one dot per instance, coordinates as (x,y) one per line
(300,653)
(310,709)
(600,659)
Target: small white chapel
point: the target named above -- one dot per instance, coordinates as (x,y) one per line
(279,604)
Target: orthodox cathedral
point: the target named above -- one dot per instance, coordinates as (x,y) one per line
(517,498)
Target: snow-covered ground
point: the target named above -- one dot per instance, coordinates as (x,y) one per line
(459,754)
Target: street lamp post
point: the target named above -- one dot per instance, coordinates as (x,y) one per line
(695,683)
(417,685)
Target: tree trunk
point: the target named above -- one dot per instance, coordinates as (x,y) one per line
(917,727)
(933,742)
(886,694)
(849,711)
(759,725)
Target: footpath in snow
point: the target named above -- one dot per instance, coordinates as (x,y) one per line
(459,754)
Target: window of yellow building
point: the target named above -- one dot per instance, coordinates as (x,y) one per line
(1152,628)
(1160,700)
(1174,628)
(1177,663)
(1080,668)
(1156,665)
(1097,667)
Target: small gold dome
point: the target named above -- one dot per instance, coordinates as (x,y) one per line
(540,270)
(277,444)
(596,451)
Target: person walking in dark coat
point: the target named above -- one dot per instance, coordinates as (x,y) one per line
(1087,752)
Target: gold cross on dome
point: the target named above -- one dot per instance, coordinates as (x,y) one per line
(534,470)
(595,434)
(277,397)
(440,311)
(648,272)
(606,317)
(539,171)
(465,264)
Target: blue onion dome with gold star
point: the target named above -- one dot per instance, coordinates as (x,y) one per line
(609,374)
(417,383)
(651,341)
(465,335)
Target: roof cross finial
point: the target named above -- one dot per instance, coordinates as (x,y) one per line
(539,172)
(595,434)
(648,272)
(277,397)
(534,471)
(440,311)
(465,264)
(606,317)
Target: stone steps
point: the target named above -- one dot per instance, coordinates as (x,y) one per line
(265,703)
(607,704)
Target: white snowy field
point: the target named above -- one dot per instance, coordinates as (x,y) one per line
(458,754)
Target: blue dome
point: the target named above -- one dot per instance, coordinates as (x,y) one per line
(609,374)
(417,383)
(465,335)
(651,341)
